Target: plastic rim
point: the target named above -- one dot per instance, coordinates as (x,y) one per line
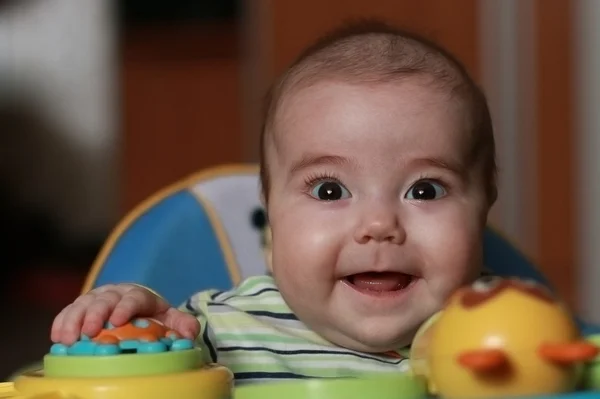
(122,365)
(391,386)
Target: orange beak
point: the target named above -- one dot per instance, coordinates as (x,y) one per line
(569,353)
(483,360)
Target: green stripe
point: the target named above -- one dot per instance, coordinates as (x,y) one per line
(262,338)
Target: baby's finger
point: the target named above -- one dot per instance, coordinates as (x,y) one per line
(56,329)
(99,311)
(120,289)
(70,331)
(183,323)
(134,303)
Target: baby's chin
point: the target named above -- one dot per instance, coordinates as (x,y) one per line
(372,340)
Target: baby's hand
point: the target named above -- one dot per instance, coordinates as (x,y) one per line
(117,304)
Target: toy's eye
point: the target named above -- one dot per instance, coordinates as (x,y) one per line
(486,283)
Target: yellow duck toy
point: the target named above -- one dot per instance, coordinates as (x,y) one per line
(501,338)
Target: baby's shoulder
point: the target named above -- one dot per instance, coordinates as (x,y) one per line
(256,293)
(254,308)
(252,291)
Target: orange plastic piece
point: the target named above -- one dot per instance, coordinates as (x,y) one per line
(153,332)
(148,338)
(107,339)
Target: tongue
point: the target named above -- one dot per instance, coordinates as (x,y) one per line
(385,281)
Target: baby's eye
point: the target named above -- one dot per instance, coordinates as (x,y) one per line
(329,191)
(426,190)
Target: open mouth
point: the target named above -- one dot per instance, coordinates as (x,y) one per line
(380,283)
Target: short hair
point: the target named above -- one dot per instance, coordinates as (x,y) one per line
(371,51)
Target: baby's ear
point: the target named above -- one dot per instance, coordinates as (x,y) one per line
(268,248)
(263,200)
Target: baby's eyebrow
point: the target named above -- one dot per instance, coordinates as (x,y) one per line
(312,160)
(318,160)
(453,166)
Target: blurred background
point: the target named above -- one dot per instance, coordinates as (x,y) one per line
(104,102)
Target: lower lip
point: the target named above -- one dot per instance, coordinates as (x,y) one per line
(382,294)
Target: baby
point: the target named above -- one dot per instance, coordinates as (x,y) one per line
(378,172)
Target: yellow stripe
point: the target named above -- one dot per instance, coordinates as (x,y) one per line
(146,205)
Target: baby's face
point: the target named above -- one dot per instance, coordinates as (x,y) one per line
(376,216)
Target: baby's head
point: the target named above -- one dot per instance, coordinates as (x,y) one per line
(378,172)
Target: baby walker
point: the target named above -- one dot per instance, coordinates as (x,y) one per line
(499,338)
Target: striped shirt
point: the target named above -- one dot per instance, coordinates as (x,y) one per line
(252,331)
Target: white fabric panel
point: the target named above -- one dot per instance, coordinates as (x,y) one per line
(234,198)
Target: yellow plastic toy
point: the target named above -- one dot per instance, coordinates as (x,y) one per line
(139,360)
(501,338)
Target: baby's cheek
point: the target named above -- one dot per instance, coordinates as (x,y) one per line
(303,244)
(452,249)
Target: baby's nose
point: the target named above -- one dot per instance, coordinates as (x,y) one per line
(380,228)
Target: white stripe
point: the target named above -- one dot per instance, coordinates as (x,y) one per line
(233,320)
(313,364)
(274,299)
(290,330)
(284,346)
(246,329)
(300,347)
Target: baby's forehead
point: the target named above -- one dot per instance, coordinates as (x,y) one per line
(400,89)
(358,129)
(370,56)
(330,104)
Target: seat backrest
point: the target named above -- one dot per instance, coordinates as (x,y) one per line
(501,257)
(198,234)
(195,234)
